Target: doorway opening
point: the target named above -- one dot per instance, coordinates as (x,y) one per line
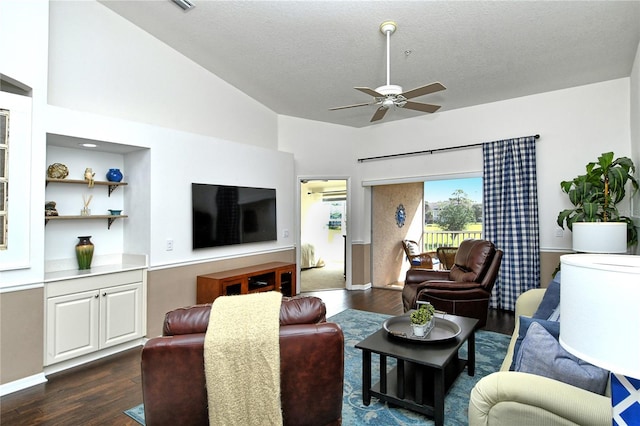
(323,231)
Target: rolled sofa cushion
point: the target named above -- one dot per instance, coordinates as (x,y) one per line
(552,327)
(541,354)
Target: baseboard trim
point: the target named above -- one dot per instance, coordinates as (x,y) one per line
(23,383)
(75,362)
(360,286)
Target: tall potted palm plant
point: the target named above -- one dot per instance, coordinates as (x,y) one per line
(595,194)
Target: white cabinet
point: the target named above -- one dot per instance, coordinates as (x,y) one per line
(120,314)
(88,314)
(72,325)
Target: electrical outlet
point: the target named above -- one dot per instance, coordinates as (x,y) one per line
(169,244)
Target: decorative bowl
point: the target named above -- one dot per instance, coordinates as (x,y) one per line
(115,212)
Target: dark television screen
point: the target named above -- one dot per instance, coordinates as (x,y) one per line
(225,215)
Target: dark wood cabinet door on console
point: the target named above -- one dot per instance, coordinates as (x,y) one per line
(278,276)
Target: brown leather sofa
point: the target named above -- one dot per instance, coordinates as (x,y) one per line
(311,367)
(465,289)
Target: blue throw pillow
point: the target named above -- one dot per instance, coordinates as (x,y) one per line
(541,354)
(550,304)
(553,327)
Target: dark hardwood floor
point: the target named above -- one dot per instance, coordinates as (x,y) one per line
(98,393)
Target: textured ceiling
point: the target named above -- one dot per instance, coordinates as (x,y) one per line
(300,58)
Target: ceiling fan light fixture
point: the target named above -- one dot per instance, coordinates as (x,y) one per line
(388,103)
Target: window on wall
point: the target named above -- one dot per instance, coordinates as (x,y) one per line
(4,176)
(453,211)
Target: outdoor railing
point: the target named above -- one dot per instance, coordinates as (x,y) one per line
(433,240)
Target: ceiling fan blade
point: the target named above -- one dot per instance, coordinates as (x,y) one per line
(421,107)
(370,92)
(424,90)
(349,106)
(380,112)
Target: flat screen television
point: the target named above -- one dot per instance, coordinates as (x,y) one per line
(225,215)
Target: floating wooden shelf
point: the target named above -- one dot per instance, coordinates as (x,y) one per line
(111,185)
(110,218)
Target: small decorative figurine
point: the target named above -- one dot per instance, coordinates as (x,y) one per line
(50,209)
(88,176)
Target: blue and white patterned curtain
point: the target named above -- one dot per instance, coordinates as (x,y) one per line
(511,216)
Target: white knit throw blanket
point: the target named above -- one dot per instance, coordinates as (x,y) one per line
(242,360)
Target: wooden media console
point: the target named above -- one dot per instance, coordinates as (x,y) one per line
(278,276)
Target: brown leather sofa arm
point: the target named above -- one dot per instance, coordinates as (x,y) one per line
(416,276)
(451,285)
(428,293)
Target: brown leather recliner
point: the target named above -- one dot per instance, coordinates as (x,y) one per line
(465,289)
(311,367)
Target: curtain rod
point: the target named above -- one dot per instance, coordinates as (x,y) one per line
(428,151)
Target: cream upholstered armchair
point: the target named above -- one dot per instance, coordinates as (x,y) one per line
(507,398)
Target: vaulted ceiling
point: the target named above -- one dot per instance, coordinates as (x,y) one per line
(299,58)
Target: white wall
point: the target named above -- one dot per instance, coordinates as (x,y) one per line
(101,63)
(575,125)
(634,121)
(177,159)
(24,27)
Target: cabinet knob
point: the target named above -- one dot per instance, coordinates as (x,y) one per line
(104,294)
(97,295)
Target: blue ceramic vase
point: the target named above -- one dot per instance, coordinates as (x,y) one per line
(114,175)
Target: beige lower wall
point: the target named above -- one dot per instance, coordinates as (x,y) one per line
(171,288)
(22,312)
(21,334)
(360,264)
(549,261)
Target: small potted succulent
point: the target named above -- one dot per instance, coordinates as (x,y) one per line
(422,319)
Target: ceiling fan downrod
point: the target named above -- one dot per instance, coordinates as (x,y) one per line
(387,28)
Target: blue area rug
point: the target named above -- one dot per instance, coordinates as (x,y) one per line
(357,325)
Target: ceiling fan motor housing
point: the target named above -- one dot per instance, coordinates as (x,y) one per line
(389,89)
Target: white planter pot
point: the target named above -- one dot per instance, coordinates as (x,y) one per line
(421,330)
(600,237)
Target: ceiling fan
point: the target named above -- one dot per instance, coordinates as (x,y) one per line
(391,95)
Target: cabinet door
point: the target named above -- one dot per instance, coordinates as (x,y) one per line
(120,314)
(72,325)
